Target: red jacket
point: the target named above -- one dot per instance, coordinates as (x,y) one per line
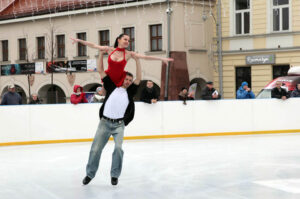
(75,99)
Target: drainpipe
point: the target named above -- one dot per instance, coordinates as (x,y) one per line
(169,12)
(220,58)
(29,90)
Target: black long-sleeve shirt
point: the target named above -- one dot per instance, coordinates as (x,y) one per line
(276,93)
(207,94)
(148,94)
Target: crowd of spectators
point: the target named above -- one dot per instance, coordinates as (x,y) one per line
(151,96)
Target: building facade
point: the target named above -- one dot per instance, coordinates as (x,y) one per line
(260,41)
(36,37)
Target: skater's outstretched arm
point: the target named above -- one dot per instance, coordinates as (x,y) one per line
(101,65)
(140,56)
(108,49)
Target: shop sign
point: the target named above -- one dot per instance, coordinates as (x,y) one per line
(260,59)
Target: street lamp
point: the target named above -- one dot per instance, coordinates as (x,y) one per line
(169,12)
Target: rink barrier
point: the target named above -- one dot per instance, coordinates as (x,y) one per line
(67,123)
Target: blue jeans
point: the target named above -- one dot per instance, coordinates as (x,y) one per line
(105,130)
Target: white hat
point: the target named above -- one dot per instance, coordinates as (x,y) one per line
(99,89)
(11,86)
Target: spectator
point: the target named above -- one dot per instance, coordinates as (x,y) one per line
(184,95)
(78,96)
(296,92)
(11,97)
(244,92)
(149,95)
(209,92)
(99,95)
(278,92)
(34,99)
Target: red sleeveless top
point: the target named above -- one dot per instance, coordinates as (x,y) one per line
(116,69)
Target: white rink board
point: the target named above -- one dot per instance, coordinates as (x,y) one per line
(68,121)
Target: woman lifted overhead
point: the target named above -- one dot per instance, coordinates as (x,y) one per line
(118,57)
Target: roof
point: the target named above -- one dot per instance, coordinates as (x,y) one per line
(11,9)
(4,4)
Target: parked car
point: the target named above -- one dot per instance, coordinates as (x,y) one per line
(288,82)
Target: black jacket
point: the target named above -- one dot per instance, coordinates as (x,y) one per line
(278,94)
(207,94)
(38,101)
(131,91)
(148,94)
(296,92)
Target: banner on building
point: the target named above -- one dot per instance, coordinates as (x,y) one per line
(79,65)
(39,67)
(18,69)
(91,65)
(67,66)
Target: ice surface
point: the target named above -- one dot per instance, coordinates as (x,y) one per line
(231,167)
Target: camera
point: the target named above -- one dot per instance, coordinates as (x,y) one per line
(169,10)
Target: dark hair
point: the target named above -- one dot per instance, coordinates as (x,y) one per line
(119,37)
(183,88)
(129,74)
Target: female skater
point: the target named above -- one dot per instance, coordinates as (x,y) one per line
(118,57)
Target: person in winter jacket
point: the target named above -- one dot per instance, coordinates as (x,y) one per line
(34,99)
(244,92)
(99,95)
(149,95)
(209,92)
(296,92)
(279,92)
(78,96)
(11,97)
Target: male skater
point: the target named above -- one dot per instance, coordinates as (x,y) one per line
(115,113)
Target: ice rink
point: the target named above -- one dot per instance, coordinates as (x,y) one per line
(229,167)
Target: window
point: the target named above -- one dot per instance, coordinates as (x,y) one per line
(242,17)
(280,70)
(22,49)
(280,12)
(60,46)
(130,33)
(242,74)
(104,37)
(4,50)
(41,47)
(156,37)
(81,48)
